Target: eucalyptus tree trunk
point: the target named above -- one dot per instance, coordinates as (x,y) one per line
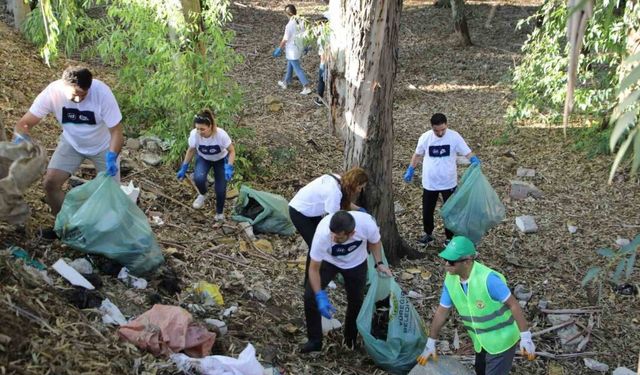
(364,49)
(20,10)
(460,22)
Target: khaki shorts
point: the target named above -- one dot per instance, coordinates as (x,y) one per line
(66,158)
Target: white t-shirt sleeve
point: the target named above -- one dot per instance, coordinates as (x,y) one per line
(110,111)
(321,242)
(43,105)
(420,149)
(461,146)
(373,232)
(225,140)
(192,139)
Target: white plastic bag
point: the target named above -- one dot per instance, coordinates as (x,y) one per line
(111,313)
(245,364)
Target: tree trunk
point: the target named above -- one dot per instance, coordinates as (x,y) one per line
(364,47)
(20,10)
(460,22)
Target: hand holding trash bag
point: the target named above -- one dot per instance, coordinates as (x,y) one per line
(20,138)
(112,165)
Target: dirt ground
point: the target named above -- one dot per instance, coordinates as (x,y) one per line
(470,85)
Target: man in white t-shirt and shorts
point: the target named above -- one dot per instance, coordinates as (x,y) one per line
(438,149)
(90,118)
(340,246)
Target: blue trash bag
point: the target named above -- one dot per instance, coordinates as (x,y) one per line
(474,208)
(98,218)
(406,334)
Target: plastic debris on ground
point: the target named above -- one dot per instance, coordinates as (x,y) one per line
(135,282)
(329,325)
(168,329)
(20,253)
(443,366)
(245,364)
(111,313)
(82,265)
(71,275)
(131,191)
(210,293)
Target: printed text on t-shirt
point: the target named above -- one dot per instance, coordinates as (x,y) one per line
(439,151)
(209,150)
(75,116)
(340,249)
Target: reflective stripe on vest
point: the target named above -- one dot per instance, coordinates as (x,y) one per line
(489,323)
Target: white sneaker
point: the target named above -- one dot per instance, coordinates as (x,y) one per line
(305,91)
(282,84)
(199,202)
(219,217)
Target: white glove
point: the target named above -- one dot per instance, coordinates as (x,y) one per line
(527,347)
(429,351)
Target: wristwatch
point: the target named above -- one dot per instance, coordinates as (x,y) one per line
(377,264)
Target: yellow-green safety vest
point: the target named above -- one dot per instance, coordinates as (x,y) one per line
(489,323)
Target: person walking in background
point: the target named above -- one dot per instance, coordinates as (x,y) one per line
(437,149)
(213,148)
(293,44)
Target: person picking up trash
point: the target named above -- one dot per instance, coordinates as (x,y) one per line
(213,148)
(90,118)
(340,245)
(437,149)
(326,194)
(293,44)
(490,313)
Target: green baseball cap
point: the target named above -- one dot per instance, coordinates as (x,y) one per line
(459,247)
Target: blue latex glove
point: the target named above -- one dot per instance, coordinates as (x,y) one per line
(408,175)
(306,50)
(475,160)
(228,172)
(182,172)
(326,308)
(112,166)
(277,52)
(21,138)
(362,209)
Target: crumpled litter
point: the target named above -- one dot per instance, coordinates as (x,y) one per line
(245,364)
(168,329)
(136,282)
(111,313)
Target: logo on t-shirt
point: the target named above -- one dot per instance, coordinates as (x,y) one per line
(209,150)
(341,249)
(76,116)
(439,151)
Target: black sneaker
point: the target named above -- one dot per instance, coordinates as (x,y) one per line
(311,346)
(426,239)
(318,101)
(49,234)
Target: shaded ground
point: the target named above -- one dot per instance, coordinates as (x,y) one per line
(293,146)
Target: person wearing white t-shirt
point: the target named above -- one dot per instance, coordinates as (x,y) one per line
(212,148)
(340,246)
(90,118)
(293,50)
(437,149)
(326,194)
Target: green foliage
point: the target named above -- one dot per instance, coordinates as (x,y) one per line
(169,69)
(540,79)
(618,265)
(65,27)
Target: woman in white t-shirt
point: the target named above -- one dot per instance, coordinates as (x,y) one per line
(213,148)
(325,195)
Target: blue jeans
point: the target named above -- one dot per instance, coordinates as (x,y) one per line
(294,66)
(321,73)
(200,178)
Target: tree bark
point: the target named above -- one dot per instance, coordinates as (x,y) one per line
(20,10)
(364,47)
(460,22)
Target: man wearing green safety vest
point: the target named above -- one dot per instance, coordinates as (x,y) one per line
(492,316)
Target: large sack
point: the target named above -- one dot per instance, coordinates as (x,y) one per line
(20,166)
(266,212)
(98,218)
(406,334)
(474,208)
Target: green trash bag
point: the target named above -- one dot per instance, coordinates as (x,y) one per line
(445,365)
(266,212)
(474,208)
(98,218)
(396,349)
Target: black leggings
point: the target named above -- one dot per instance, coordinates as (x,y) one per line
(355,280)
(306,226)
(429,200)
